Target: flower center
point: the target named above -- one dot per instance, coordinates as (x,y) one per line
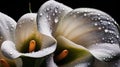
(4,63)
(32,45)
(62,55)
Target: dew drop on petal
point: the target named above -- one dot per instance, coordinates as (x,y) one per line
(53,14)
(31,19)
(99,18)
(41,14)
(99,28)
(85,14)
(56,11)
(117,36)
(56,20)
(11,52)
(47,9)
(47,16)
(98,14)
(103,38)
(106,30)
(95,24)
(63,9)
(78,12)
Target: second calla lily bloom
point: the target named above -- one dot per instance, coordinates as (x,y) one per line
(80,35)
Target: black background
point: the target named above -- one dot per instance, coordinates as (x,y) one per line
(16,8)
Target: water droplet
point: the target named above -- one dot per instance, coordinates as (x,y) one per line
(41,14)
(117,36)
(47,16)
(99,28)
(112,41)
(53,14)
(56,20)
(106,30)
(56,10)
(31,19)
(98,14)
(63,9)
(99,18)
(47,9)
(85,14)
(11,52)
(103,38)
(77,12)
(104,58)
(109,23)
(95,24)
(107,18)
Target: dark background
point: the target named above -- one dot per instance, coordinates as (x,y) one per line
(16,8)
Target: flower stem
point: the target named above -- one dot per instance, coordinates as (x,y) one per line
(33,62)
(30,7)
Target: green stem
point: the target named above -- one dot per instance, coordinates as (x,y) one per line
(30,7)
(33,62)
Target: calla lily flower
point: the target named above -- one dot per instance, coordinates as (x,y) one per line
(28,42)
(82,36)
(7,28)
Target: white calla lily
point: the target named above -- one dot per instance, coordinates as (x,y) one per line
(86,27)
(80,35)
(28,42)
(7,29)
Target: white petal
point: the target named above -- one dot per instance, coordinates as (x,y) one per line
(7,27)
(77,56)
(26,28)
(9,50)
(49,14)
(105,51)
(86,26)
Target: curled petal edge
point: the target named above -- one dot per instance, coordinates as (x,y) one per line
(9,50)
